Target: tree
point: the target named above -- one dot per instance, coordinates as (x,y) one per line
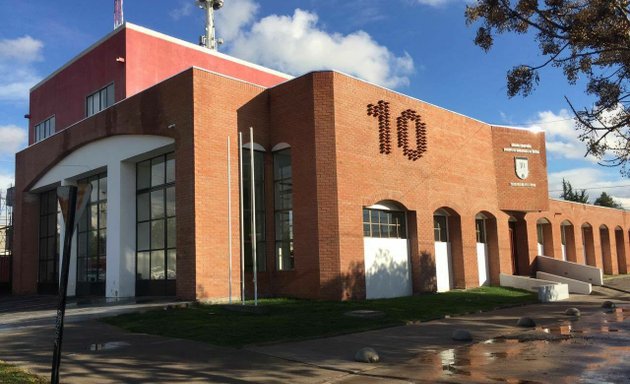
(605,200)
(569,194)
(583,37)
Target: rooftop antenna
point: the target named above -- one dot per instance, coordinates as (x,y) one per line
(209,40)
(119,18)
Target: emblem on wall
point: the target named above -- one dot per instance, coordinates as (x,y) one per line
(521,167)
(408,120)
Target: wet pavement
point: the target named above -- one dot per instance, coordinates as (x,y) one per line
(592,348)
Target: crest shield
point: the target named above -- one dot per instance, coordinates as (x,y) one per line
(521,166)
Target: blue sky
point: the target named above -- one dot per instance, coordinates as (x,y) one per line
(421,48)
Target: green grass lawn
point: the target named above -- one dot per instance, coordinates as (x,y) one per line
(290,319)
(9,374)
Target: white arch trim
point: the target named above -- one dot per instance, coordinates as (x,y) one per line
(388,205)
(118,155)
(99,154)
(280,146)
(257,147)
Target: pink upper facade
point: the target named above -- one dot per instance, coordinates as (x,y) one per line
(132,58)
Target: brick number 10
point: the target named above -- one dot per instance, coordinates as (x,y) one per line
(381,112)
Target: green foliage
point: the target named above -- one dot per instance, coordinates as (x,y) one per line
(289,319)
(589,39)
(10,374)
(569,194)
(605,200)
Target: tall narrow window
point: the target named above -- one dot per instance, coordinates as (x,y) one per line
(99,100)
(156,258)
(440,228)
(48,277)
(480,228)
(283,191)
(92,239)
(45,129)
(259,179)
(540,233)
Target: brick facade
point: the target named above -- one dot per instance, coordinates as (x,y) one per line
(353,145)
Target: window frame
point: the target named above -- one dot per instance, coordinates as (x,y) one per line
(109,100)
(167,215)
(440,235)
(45,128)
(85,228)
(384,220)
(281,180)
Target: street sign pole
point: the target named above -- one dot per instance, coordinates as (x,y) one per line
(67,196)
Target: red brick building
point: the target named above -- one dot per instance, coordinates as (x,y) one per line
(360,191)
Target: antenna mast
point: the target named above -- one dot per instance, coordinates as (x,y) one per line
(119,18)
(209,40)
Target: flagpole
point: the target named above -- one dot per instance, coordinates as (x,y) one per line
(229,180)
(240,183)
(253,195)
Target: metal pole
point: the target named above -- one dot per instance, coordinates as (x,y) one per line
(253,193)
(240,183)
(63,284)
(229,179)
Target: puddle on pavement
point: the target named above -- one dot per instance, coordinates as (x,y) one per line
(591,349)
(108,346)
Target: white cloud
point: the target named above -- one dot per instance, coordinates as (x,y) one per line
(296,44)
(12,138)
(560,134)
(17,74)
(439,3)
(6,180)
(23,49)
(595,181)
(234,15)
(185,9)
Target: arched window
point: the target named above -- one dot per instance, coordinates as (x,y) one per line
(384,220)
(283,191)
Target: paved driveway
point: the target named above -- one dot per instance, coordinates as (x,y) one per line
(592,349)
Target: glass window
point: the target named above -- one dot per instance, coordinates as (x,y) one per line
(259,181)
(440,228)
(480,227)
(384,224)
(92,233)
(48,238)
(45,129)
(99,100)
(283,190)
(539,233)
(156,235)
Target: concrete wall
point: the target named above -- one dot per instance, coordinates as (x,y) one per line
(575,286)
(571,270)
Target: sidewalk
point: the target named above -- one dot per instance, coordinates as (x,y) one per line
(98,353)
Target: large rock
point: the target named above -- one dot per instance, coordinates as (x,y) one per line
(526,322)
(572,312)
(462,335)
(366,355)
